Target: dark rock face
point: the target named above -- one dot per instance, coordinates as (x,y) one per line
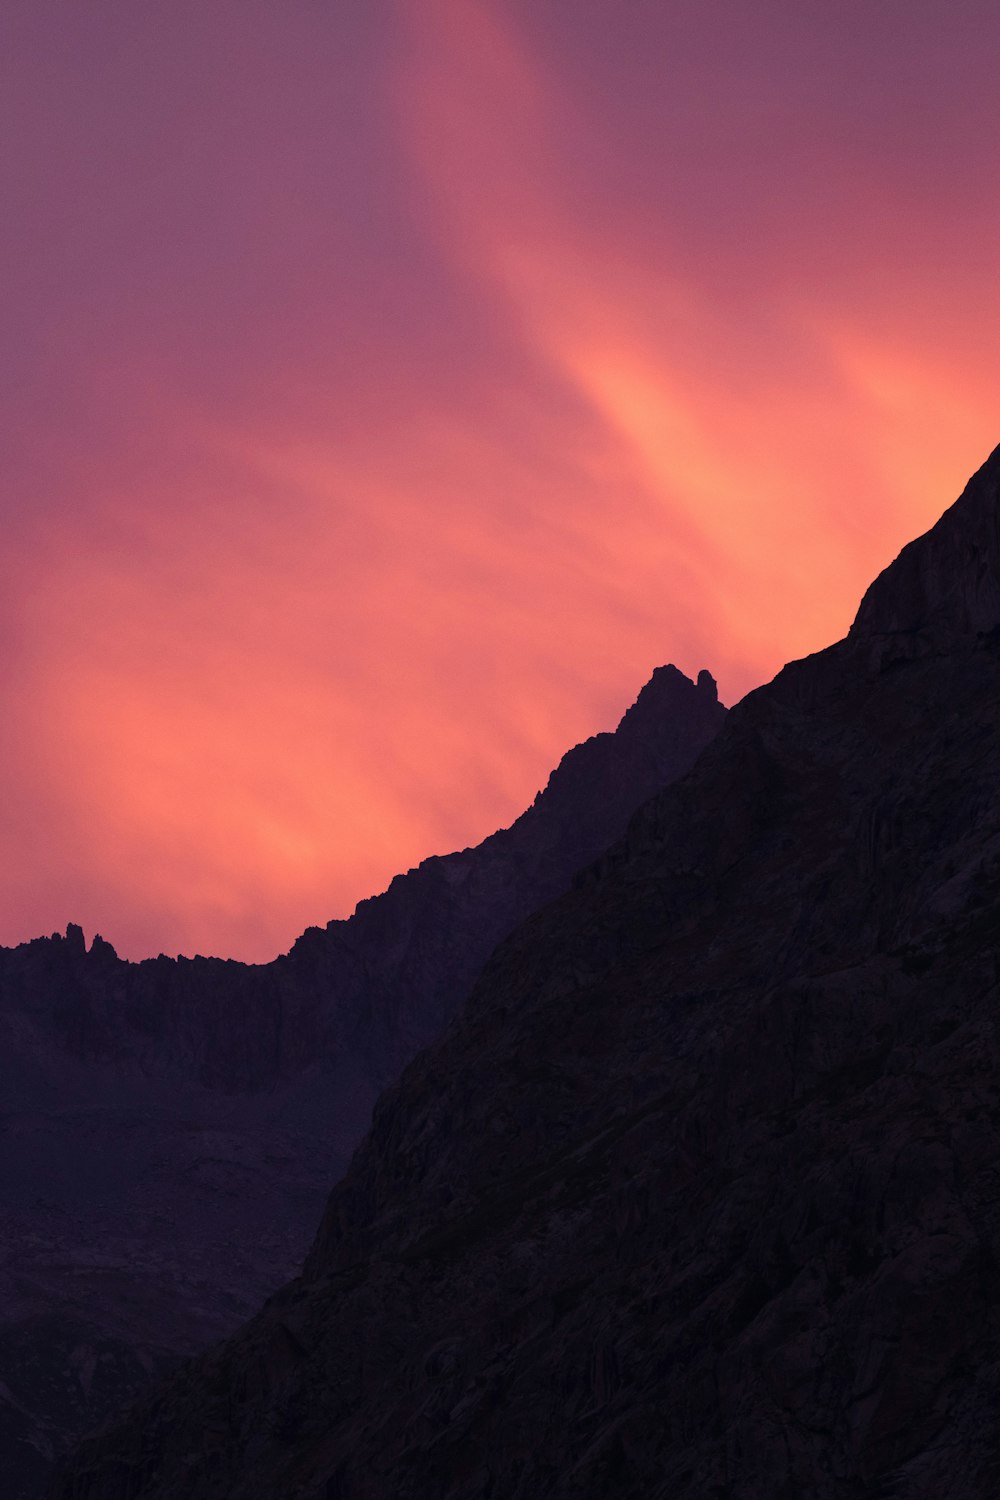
(171,1128)
(699,1195)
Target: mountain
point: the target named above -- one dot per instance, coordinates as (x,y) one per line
(171,1128)
(699,1194)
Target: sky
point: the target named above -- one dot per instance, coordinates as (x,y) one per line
(387,388)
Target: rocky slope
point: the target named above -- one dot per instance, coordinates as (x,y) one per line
(699,1196)
(171,1128)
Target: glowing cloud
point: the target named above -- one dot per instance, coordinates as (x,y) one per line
(393,388)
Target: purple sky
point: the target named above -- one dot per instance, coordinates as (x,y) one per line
(388,388)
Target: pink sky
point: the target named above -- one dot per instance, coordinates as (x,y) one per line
(388,388)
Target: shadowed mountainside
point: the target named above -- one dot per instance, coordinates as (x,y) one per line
(171,1127)
(698,1196)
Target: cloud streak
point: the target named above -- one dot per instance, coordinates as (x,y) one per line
(391,390)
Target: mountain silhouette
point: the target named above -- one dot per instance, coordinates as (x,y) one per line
(171,1127)
(698,1195)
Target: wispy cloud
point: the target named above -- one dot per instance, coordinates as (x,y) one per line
(380,420)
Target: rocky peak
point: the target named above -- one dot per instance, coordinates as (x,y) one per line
(102,950)
(669,696)
(667,690)
(946,583)
(593,791)
(76,943)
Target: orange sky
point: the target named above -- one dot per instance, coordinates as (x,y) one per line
(391,388)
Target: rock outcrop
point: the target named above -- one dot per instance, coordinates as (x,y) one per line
(699,1195)
(171,1128)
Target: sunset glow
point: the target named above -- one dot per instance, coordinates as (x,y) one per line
(389,389)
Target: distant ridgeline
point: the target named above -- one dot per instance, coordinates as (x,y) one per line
(383,982)
(174,1125)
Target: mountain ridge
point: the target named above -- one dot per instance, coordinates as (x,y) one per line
(171,1126)
(697,1194)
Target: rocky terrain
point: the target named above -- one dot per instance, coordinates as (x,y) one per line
(171,1128)
(699,1196)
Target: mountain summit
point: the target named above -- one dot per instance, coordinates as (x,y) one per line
(698,1196)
